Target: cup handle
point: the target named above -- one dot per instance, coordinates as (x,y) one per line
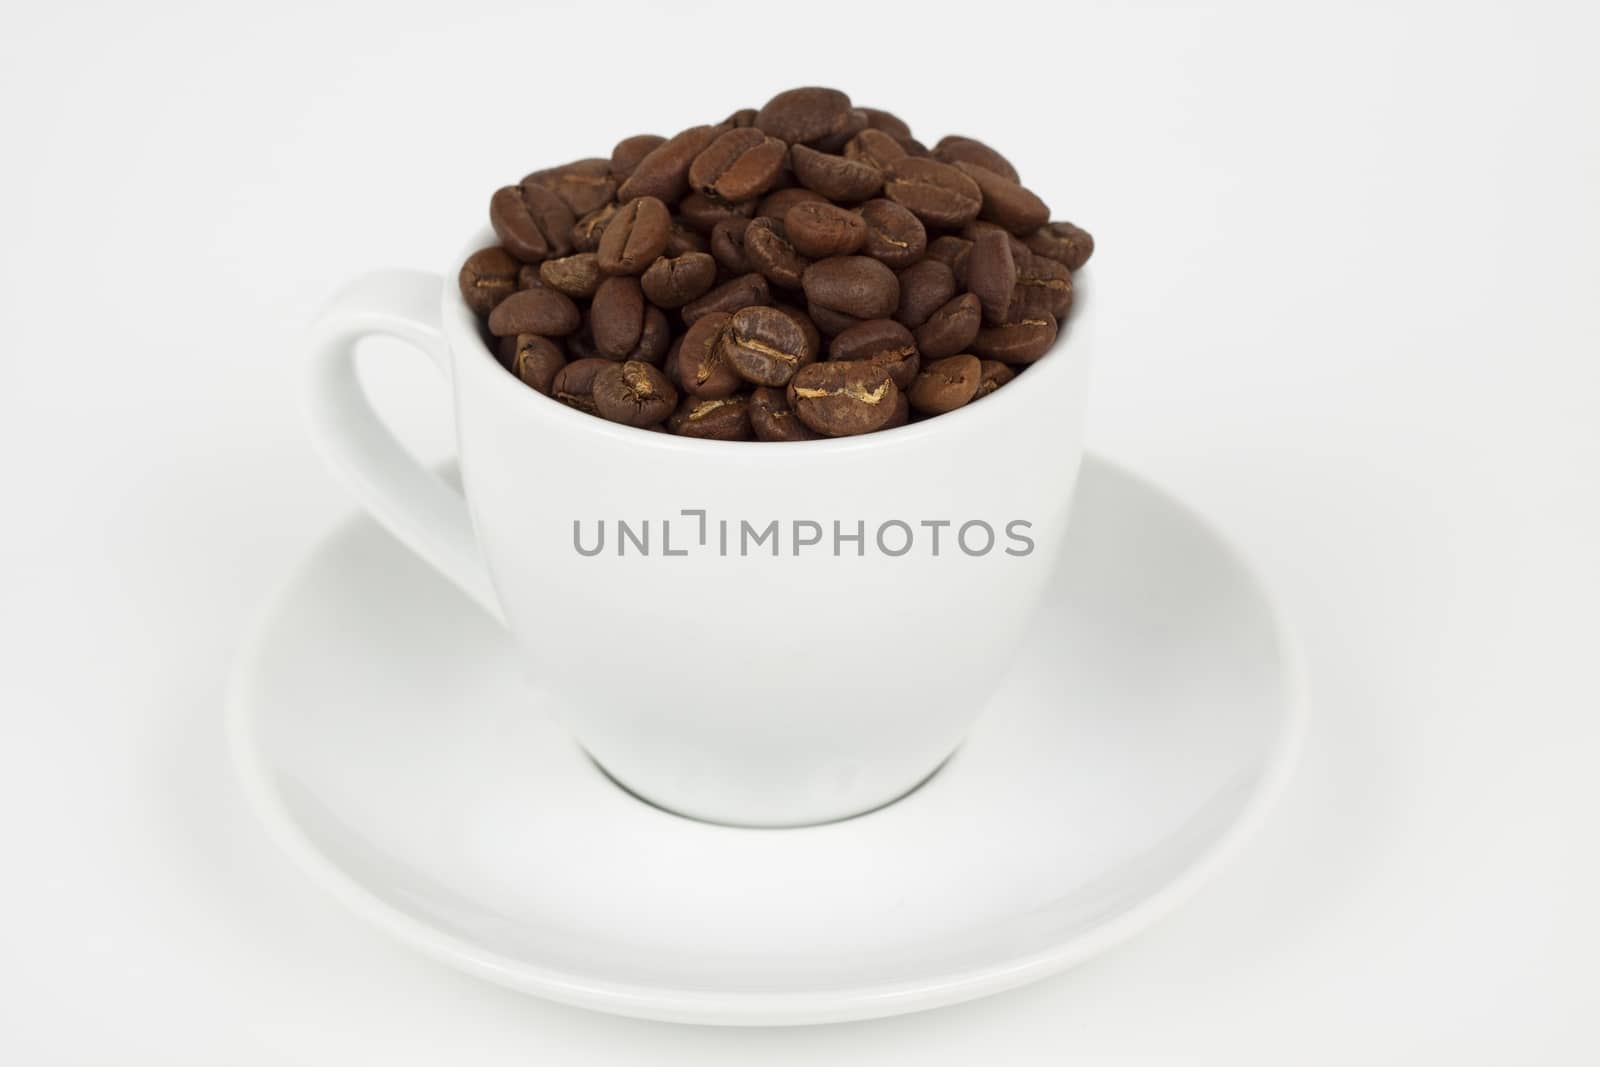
(428,515)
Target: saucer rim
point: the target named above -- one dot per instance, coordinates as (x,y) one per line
(710,1007)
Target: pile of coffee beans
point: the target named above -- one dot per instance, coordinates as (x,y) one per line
(806,270)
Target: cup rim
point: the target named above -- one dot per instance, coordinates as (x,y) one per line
(462,331)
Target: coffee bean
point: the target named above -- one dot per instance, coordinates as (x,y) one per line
(878,119)
(883,343)
(968,150)
(574,383)
(835,177)
(681,239)
(727,246)
(617,316)
(854,285)
(770,251)
(716,419)
(587,231)
(1017,342)
(950,329)
(740,165)
(1043,285)
(925,286)
(635,237)
(664,173)
(1063,242)
(528,277)
(946,384)
(765,346)
(630,150)
(822,230)
(855,121)
(701,213)
(633,393)
(534,359)
(895,237)
(1006,203)
(532,222)
(839,399)
(993,374)
(702,370)
(992,274)
(937,193)
(670,366)
(671,282)
(829,321)
(577,275)
(584,185)
(801,116)
(902,412)
(953,252)
(874,147)
(807,327)
(912,146)
(487,277)
(776,205)
(745,116)
(655,338)
(541,311)
(772,420)
(744,291)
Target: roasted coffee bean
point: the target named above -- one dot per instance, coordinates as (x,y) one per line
(716,419)
(1022,341)
(1063,242)
(992,375)
(1042,285)
(801,116)
(528,277)
(772,420)
(744,291)
(701,213)
(978,227)
(740,165)
(839,399)
(671,282)
(664,173)
(835,177)
(895,237)
(670,366)
(574,383)
(854,285)
(952,252)
(822,230)
(878,119)
(829,321)
(968,150)
(913,146)
(702,370)
(946,384)
(992,274)
(883,343)
(855,121)
(902,412)
(727,246)
(1006,203)
(587,231)
(765,346)
(630,150)
(633,393)
(541,311)
(682,239)
(745,116)
(532,222)
(807,327)
(487,277)
(577,275)
(874,147)
(536,360)
(635,237)
(768,248)
(925,287)
(584,185)
(655,338)
(776,205)
(617,316)
(950,329)
(937,193)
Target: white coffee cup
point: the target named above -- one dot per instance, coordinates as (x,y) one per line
(730,685)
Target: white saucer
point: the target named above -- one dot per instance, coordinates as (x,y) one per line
(385,737)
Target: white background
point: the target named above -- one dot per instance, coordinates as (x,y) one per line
(1349,258)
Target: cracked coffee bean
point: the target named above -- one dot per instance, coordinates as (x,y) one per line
(1063,242)
(772,420)
(843,399)
(487,277)
(671,282)
(633,393)
(951,328)
(823,230)
(635,236)
(937,193)
(1017,342)
(946,384)
(882,343)
(532,223)
(720,419)
(765,346)
(536,360)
